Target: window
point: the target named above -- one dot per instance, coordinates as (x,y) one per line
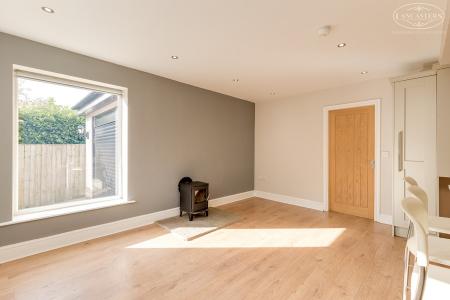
(70,142)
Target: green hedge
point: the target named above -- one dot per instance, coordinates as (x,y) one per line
(46,122)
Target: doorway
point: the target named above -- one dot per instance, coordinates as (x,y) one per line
(351,159)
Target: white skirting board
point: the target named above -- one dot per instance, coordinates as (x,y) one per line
(384,219)
(230,199)
(27,248)
(290,200)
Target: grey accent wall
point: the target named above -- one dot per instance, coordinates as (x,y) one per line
(175,130)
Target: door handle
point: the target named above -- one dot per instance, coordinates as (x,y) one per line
(400,151)
(372,164)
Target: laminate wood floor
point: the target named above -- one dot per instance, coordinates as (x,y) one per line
(276,251)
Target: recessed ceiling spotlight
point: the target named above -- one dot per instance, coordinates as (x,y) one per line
(48,10)
(324,30)
(174,57)
(341,45)
(364,72)
(236,80)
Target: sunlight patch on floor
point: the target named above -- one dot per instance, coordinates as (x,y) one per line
(250,238)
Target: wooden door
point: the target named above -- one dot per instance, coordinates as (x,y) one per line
(352,161)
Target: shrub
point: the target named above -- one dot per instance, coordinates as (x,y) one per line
(45,122)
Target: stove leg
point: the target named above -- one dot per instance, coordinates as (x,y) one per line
(181,212)
(191,217)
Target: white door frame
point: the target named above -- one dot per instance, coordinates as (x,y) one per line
(372,102)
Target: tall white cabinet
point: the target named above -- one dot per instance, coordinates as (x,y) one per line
(415,141)
(443,122)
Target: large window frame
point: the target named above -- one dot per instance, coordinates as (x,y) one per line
(122,146)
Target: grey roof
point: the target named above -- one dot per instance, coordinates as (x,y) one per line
(87,100)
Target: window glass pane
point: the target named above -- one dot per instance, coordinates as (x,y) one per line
(55,145)
(105,118)
(104,148)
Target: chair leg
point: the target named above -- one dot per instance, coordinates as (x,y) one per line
(421,283)
(405,273)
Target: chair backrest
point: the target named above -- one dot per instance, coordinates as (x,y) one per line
(420,194)
(410,180)
(418,215)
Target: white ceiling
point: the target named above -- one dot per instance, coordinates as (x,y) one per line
(270,45)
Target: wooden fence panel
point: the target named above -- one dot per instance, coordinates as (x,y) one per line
(50,174)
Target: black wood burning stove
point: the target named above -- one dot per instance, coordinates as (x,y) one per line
(193,197)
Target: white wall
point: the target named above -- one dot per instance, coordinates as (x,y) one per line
(288,141)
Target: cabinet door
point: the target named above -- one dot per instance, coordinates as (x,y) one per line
(443,122)
(443,140)
(415,141)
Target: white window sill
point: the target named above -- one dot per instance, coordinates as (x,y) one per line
(64,211)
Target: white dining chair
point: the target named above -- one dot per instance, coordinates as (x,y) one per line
(435,223)
(410,180)
(424,247)
(437,285)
